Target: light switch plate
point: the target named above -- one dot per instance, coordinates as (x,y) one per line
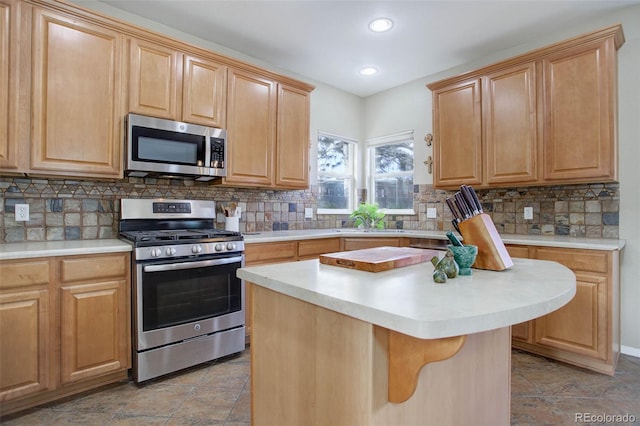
(432,213)
(528,213)
(308,213)
(22,212)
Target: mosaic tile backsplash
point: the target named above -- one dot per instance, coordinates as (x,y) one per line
(72,210)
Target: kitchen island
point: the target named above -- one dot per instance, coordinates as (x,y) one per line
(337,346)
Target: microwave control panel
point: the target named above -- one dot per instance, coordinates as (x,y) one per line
(217,153)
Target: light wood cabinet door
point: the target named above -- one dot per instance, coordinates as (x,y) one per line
(93,330)
(251,129)
(354,243)
(457,128)
(95,311)
(155,80)
(262,253)
(581,325)
(26,340)
(292,148)
(76,120)
(312,249)
(204,92)
(9,74)
(25,352)
(580,103)
(510,125)
(524,330)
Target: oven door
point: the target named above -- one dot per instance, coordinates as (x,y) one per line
(184,299)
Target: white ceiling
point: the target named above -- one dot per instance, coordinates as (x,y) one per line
(329,41)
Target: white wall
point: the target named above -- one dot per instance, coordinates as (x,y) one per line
(409,106)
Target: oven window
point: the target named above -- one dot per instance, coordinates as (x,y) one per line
(176,297)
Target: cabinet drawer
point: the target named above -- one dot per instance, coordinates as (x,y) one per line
(577,260)
(318,247)
(269,252)
(22,273)
(93,267)
(371,242)
(518,251)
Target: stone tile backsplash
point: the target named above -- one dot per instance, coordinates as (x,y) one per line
(72,210)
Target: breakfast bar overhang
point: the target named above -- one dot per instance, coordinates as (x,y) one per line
(331,345)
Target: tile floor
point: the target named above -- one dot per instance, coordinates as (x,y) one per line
(544,392)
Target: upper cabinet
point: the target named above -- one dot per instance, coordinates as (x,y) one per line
(68,77)
(8,86)
(579,106)
(292,141)
(251,129)
(55,120)
(155,74)
(76,121)
(457,120)
(166,83)
(268,133)
(543,118)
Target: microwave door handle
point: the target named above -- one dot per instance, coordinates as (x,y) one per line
(191,265)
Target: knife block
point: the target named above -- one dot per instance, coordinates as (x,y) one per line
(481,231)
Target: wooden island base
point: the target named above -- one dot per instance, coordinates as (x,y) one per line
(313,366)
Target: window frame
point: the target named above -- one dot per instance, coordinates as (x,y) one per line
(352,176)
(372,144)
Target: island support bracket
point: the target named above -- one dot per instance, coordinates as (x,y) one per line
(407,356)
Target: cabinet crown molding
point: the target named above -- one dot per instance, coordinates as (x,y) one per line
(614,31)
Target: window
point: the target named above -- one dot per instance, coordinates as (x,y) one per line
(336,173)
(391,172)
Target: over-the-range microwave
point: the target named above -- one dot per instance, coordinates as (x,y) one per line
(159,147)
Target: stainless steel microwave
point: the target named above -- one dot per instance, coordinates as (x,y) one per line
(158,147)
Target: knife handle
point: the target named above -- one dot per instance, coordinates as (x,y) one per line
(476,199)
(454,212)
(468,198)
(462,206)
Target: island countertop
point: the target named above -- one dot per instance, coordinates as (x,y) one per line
(407,300)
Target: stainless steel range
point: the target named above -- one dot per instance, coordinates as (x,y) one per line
(188,305)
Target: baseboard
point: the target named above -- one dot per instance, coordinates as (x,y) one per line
(628,350)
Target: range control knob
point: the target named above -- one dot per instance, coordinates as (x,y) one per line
(196,249)
(219,247)
(155,252)
(170,251)
(231,246)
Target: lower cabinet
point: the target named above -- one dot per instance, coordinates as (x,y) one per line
(586,331)
(94,317)
(64,326)
(355,243)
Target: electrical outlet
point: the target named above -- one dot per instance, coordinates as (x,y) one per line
(308,213)
(528,213)
(432,213)
(22,212)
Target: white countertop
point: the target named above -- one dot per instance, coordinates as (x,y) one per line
(533,240)
(61,248)
(408,301)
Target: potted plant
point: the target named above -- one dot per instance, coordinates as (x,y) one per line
(369,216)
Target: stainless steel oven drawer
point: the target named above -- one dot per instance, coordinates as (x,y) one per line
(167,359)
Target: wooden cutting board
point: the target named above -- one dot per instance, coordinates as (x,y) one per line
(379,258)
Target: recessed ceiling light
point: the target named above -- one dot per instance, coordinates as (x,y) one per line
(368,71)
(380,25)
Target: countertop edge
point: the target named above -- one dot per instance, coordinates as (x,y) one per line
(62,248)
(454,324)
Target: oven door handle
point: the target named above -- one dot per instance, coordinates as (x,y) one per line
(191,265)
